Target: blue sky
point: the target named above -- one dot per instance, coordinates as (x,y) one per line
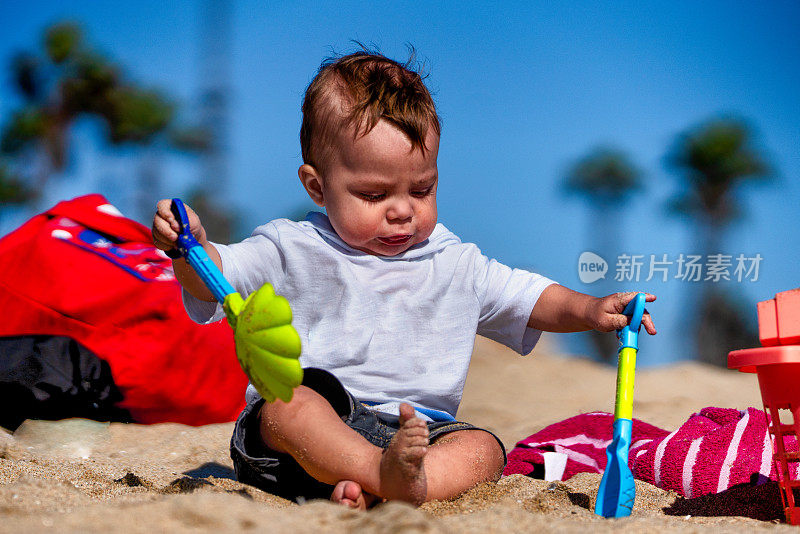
(523,90)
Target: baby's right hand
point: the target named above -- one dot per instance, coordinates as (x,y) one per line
(166,227)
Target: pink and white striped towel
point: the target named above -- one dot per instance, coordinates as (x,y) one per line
(713,450)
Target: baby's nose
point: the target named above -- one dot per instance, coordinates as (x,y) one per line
(400,210)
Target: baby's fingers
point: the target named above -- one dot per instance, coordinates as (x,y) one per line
(648,324)
(165,227)
(616,321)
(164,211)
(164,237)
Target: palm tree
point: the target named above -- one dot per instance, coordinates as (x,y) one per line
(65,83)
(714,159)
(606,179)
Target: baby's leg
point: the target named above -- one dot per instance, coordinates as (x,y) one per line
(461,460)
(309,429)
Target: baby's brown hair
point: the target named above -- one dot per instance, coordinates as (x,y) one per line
(360,89)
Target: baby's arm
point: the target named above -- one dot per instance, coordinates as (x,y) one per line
(562,310)
(165,234)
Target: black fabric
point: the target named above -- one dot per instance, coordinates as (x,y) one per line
(54,377)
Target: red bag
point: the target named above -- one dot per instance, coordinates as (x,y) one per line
(84,271)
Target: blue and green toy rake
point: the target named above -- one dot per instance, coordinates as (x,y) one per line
(617,489)
(267,345)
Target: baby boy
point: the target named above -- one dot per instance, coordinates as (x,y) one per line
(387,303)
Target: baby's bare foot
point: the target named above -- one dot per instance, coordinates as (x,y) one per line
(402,465)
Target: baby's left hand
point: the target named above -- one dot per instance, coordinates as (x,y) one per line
(607,312)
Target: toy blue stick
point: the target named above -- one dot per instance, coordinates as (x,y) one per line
(617,489)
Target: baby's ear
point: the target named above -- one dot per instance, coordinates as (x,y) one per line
(312,181)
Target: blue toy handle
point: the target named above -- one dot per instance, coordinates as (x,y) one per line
(629,335)
(188,247)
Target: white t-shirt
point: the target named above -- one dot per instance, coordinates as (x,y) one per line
(391,329)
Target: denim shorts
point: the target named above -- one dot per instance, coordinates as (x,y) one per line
(278,473)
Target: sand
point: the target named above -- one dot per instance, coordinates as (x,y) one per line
(84,476)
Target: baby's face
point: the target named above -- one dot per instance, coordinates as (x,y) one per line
(379,194)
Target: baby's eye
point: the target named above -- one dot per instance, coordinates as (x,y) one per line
(372,197)
(422,192)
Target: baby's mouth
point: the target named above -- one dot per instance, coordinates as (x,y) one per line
(395,240)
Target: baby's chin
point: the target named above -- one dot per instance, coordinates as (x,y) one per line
(381,249)
(375,251)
